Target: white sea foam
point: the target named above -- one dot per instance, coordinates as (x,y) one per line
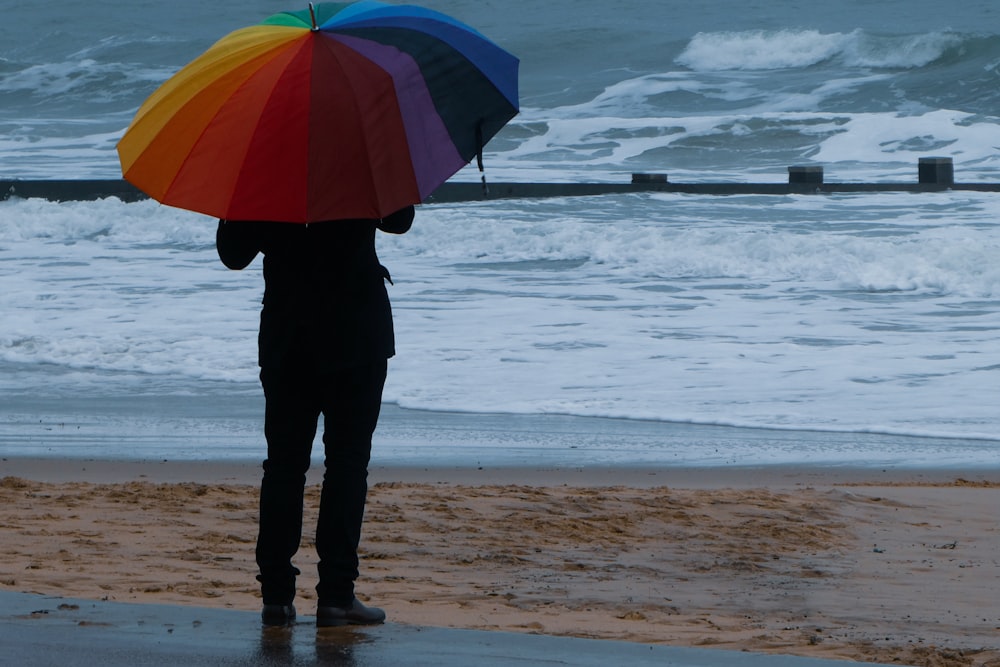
(866,146)
(760,50)
(794,48)
(832,313)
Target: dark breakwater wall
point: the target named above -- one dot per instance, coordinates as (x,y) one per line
(935,175)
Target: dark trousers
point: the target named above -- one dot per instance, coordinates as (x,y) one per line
(349,401)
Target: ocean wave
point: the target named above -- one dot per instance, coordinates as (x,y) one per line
(790,49)
(803,311)
(83,79)
(600,141)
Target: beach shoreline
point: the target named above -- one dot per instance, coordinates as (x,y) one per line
(871,564)
(248,471)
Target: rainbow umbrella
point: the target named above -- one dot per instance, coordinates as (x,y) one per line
(342,110)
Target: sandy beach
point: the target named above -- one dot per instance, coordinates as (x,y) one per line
(888,566)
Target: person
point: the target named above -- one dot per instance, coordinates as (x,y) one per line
(325,336)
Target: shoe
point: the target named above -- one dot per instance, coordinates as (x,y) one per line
(356,614)
(277,614)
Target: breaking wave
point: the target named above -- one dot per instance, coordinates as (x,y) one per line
(789,48)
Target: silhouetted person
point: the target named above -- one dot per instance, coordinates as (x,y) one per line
(325,335)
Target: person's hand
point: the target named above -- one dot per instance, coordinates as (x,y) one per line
(236,243)
(398,222)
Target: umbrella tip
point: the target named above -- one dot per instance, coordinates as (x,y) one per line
(312,15)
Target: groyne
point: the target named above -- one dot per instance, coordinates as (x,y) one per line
(933,175)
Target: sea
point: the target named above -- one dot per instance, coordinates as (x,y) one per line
(629,329)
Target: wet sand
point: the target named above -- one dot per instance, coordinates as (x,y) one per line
(863,564)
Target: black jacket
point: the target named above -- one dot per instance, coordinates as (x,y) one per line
(325,302)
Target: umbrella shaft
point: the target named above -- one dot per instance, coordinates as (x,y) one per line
(312,16)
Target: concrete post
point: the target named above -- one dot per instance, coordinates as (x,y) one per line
(805,174)
(649,178)
(936,171)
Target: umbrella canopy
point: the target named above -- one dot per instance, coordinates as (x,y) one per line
(342,110)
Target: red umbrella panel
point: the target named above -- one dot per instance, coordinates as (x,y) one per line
(344,110)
